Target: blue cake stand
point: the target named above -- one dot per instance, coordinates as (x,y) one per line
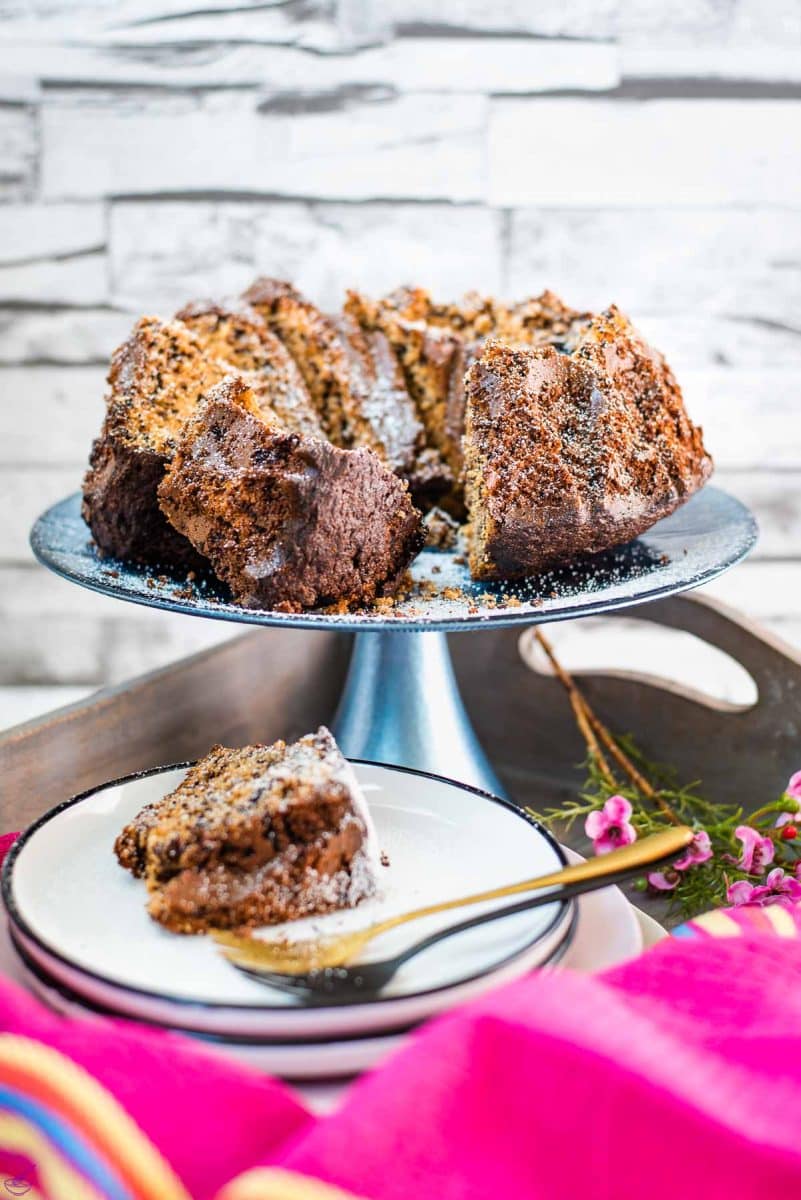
(401,703)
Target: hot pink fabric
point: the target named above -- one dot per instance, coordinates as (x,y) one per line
(679,1074)
(676,1074)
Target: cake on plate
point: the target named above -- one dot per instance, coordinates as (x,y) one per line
(571,454)
(255,836)
(287,521)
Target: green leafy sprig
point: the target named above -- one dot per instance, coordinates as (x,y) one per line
(617,767)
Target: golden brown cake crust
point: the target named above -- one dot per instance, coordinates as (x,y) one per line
(573,454)
(254,836)
(575,438)
(155,381)
(287,522)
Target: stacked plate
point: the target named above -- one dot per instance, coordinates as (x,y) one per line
(79,924)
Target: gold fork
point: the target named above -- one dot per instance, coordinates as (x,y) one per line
(301,962)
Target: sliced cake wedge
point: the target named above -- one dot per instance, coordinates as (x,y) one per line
(288,522)
(155,382)
(356,383)
(571,454)
(255,836)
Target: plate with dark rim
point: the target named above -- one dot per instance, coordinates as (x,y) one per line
(703,538)
(82,919)
(608,931)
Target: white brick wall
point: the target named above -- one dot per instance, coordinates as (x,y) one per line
(151,150)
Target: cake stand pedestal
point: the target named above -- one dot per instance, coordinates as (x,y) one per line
(401,703)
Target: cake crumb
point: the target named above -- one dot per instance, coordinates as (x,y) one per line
(440,529)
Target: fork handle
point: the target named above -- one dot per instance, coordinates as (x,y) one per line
(596,872)
(568,891)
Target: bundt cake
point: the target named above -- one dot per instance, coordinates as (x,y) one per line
(255,836)
(287,521)
(571,454)
(303,439)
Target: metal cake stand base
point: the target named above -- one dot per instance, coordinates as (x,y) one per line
(401,704)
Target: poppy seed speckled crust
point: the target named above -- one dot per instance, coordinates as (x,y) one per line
(287,522)
(255,836)
(155,382)
(571,454)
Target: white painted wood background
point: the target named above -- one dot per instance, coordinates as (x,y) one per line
(628,150)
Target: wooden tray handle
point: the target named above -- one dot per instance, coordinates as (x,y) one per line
(743,755)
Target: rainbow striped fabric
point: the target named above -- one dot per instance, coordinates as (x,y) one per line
(748,918)
(64,1137)
(80,1143)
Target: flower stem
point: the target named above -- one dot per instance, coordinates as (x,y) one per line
(581,711)
(584,723)
(590,724)
(774,806)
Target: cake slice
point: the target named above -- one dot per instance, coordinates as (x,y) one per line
(255,836)
(288,522)
(571,454)
(436,344)
(155,382)
(357,385)
(238,335)
(430,357)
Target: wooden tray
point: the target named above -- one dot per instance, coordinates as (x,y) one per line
(278,682)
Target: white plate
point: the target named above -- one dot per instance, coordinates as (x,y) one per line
(609,931)
(652,931)
(82,918)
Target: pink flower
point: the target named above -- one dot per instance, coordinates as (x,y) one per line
(793,788)
(778,888)
(664,881)
(757,851)
(610,826)
(700,851)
